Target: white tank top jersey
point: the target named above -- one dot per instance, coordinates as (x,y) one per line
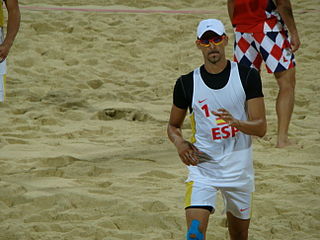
(226,160)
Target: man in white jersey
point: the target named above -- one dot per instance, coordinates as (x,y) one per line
(6,41)
(226,104)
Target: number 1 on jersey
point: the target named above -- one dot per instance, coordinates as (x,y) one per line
(206,110)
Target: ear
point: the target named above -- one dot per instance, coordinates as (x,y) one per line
(226,40)
(197,44)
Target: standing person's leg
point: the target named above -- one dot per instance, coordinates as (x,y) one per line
(199,204)
(280,60)
(238,208)
(238,228)
(197,223)
(285,103)
(274,49)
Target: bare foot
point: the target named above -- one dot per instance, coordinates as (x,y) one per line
(286,143)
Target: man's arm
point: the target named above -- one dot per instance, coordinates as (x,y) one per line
(255,125)
(12,27)
(185,149)
(285,10)
(230,9)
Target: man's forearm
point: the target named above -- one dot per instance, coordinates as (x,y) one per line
(230,9)
(251,127)
(13,26)
(285,10)
(175,134)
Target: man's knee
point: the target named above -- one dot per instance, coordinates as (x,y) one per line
(286,79)
(194,231)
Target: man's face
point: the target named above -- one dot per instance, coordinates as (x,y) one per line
(212,46)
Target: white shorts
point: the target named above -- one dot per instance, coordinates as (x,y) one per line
(238,203)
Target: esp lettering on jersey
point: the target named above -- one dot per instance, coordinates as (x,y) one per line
(223,131)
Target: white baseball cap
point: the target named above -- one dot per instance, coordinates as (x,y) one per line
(210,25)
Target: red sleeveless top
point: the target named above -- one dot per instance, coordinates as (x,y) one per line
(252,15)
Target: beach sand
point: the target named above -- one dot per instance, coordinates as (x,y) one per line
(83,146)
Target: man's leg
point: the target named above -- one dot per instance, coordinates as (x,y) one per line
(199,204)
(279,59)
(200,214)
(239,208)
(285,102)
(238,228)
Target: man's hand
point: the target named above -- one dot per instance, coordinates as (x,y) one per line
(4,51)
(227,117)
(187,153)
(294,42)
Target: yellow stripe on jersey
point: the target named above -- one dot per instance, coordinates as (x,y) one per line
(220,121)
(187,199)
(193,128)
(1,14)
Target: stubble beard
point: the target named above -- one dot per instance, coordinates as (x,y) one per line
(214,59)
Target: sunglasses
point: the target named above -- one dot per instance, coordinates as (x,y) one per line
(215,41)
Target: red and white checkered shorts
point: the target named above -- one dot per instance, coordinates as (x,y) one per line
(271,47)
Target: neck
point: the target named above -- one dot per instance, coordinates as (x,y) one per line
(217,67)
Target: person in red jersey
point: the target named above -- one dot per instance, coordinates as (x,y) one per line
(262,29)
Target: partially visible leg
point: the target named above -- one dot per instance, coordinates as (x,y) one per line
(199,204)
(238,228)
(200,214)
(239,208)
(284,105)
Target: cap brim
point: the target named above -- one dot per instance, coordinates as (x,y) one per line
(210,30)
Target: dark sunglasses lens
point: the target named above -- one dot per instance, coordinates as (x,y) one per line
(205,41)
(217,39)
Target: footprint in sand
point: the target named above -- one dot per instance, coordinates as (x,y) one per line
(42,28)
(154,206)
(98,171)
(27,62)
(61,161)
(302,101)
(105,184)
(71,62)
(95,84)
(15,141)
(124,113)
